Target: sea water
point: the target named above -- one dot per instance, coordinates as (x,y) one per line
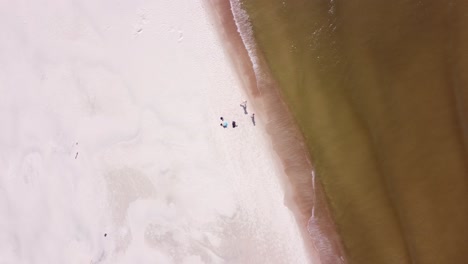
(378,90)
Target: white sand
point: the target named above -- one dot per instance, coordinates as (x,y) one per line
(136,88)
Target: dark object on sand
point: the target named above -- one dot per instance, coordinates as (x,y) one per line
(105,234)
(234,124)
(222,119)
(253,119)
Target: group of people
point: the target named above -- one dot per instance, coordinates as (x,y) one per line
(225,124)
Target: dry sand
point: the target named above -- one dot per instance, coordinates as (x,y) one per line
(111,149)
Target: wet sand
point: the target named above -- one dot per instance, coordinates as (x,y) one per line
(379,90)
(303,195)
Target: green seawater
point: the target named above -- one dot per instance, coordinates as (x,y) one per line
(379,90)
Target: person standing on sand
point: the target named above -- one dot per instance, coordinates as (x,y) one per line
(244,106)
(234,125)
(253,118)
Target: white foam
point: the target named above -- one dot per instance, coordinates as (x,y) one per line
(244,27)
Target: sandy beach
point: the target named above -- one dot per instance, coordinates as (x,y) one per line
(111,149)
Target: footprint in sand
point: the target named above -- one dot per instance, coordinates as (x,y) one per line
(142,21)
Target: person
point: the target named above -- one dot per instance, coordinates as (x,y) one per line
(244,106)
(223,123)
(234,124)
(253,118)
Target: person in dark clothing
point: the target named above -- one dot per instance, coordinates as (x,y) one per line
(234,124)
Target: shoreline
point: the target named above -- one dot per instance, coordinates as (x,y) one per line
(137,91)
(303,195)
